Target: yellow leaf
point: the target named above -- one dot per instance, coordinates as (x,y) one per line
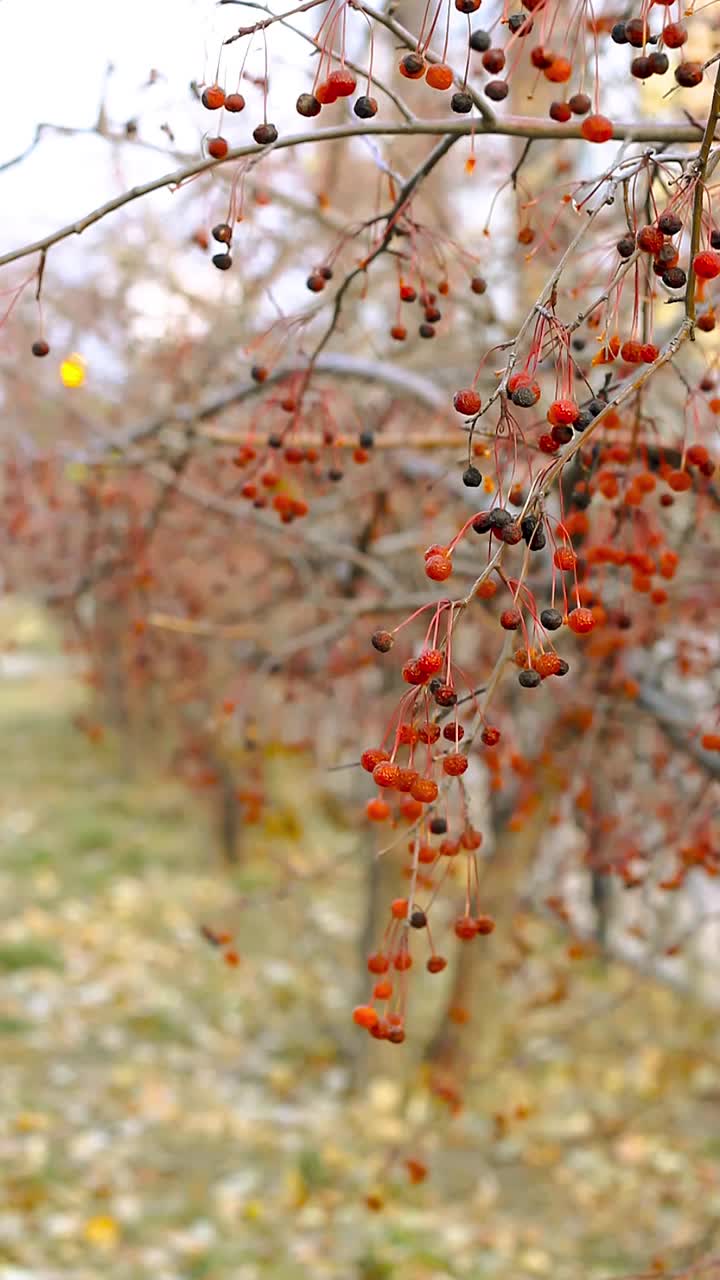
(101,1231)
(72,371)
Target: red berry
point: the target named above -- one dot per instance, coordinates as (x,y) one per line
(581,621)
(438,567)
(467,402)
(218,148)
(386,774)
(563,411)
(596,129)
(706,265)
(213,97)
(371,757)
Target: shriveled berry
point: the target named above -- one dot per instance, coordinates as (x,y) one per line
(525,396)
(626,246)
(674,278)
(520,24)
(412,66)
(472,477)
(467,401)
(445,695)
(265,134)
(499,517)
(383,641)
(529,679)
(461,103)
(551,619)
(669,223)
(307,105)
(650,239)
(365,107)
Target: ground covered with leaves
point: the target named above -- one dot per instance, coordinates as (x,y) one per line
(164,1114)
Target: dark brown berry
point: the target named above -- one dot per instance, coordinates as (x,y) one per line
(689,74)
(264,134)
(641,67)
(497,90)
(674,278)
(551,619)
(40,347)
(659,63)
(461,103)
(222,233)
(307,105)
(636,32)
(529,679)
(579,104)
(383,641)
(365,108)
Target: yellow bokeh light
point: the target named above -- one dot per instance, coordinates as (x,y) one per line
(72,371)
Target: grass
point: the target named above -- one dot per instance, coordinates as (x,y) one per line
(164,1114)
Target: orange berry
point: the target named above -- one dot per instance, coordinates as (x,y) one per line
(596,129)
(365,1016)
(439,76)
